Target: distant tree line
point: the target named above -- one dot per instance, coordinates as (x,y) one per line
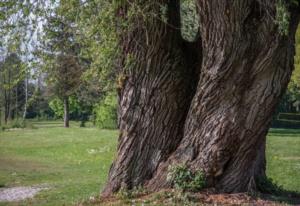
(52,72)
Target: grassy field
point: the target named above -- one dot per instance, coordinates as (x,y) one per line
(74,162)
(283,157)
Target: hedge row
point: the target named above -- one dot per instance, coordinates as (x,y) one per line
(289,124)
(289,116)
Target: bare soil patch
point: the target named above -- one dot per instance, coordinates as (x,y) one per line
(13,194)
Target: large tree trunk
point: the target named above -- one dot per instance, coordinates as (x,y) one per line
(154,96)
(245,69)
(66,111)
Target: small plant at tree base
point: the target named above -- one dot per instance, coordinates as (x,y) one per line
(183,178)
(198,182)
(126,195)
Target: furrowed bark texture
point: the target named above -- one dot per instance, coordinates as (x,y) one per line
(246,67)
(154,96)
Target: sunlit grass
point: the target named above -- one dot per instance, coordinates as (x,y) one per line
(74,162)
(283,157)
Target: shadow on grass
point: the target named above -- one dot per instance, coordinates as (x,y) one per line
(291,198)
(273,192)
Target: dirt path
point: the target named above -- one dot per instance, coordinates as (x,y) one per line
(19,193)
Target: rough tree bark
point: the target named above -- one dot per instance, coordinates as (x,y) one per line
(245,69)
(66,112)
(154,95)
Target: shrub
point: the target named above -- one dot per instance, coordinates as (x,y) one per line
(126,195)
(57,106)
(18,124)
(184,179)
(106,112)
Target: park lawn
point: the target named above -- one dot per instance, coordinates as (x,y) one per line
(74,162)
(283,158)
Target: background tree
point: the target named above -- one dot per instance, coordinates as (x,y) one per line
(61,56)
(12,87)
(89,26)
(291,99)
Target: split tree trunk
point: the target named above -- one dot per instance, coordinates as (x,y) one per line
(245,69)
(66,112)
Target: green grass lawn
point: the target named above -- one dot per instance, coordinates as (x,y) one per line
(74,162)
(283,157)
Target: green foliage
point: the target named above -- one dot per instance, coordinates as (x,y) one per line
(189,20)
(293,92)
(12,86)
(57,106)
(282,17)
(183,178)
(17,124)
(294,86)
(106,112)
(59,51)
(97,22)
(126,195)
